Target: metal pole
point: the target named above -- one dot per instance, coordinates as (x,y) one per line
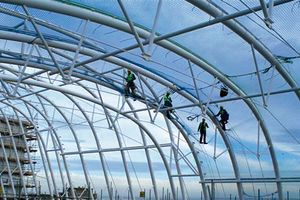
(78,49)
(212,190)
(43,40)
(151,38)
(258,75)
(209,192)
(270,11)
(134,32)
(215,143)
(144,96)
(258,194)
(264,8)
(23,71)
(258,139)
(196,87)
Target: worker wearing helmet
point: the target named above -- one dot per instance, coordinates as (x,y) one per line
(202,129)
(168,103)
(130,83)
(224,117)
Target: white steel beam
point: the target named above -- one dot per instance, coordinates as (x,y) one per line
(22,71)
(78,49)
(44,42)
(258,76)
(152,35)
(134,32)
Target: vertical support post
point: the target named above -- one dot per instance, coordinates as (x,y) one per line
(258,194)
(167,194)
(209,192)
(178,140)
(151,38)
(215,143)
(93,113)
(212,190)
(78,49)
(258,139)
(272,197)
(287,195)
(258,75)
(196,87)
(144,96)
(171,158)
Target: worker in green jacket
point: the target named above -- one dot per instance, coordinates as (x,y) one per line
(130,83)
(168,104)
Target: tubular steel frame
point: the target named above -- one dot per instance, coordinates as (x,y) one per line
(228,20)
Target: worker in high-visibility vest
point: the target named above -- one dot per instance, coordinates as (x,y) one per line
(168,104)
(130,83)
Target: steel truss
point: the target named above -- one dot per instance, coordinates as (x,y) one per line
(54,47)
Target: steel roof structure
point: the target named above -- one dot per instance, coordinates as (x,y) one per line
(63,64)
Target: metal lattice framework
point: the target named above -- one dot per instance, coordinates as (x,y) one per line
(51,75)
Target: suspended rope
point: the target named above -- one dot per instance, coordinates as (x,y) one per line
(286,59)
(264,71)
(130,160)
(254,196)
(281,59)
(287,130)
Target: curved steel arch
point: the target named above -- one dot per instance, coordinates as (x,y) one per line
(233,87)
(64,91)
(232,155)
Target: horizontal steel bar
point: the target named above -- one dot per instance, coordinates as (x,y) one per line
(220,101)
(244,180)
(116,149)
